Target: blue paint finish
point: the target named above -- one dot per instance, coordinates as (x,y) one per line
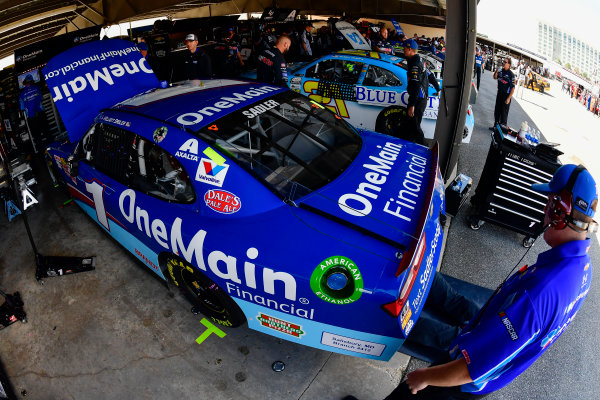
(369,214)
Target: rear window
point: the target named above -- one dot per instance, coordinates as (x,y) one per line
(294,145)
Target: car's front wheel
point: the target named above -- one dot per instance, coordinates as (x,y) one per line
(204,294)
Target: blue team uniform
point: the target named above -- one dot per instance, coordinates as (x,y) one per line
(478,61)
(30,100)
(528,314)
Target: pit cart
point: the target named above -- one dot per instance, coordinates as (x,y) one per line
(504,196)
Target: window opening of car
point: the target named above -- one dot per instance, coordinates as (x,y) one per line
(336,70)
(380,77)
(136,162)
(294,145)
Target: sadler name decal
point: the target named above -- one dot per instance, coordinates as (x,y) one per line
(225,102)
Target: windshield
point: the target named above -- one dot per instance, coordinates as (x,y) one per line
(291,143)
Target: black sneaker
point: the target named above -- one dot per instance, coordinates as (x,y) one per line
(350,397)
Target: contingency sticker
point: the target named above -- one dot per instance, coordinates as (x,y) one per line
(280,325)
(351,344)
(222,201)
(212,170)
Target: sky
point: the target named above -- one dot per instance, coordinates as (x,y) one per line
(581,18)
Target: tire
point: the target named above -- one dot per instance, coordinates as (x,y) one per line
(392,121)
(204,294)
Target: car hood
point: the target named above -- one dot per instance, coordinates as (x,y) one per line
(95,75)
(383,192)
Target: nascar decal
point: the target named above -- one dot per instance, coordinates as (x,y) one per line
(280,325)
(212,170)
(405,315)
(222,201)
(337,280)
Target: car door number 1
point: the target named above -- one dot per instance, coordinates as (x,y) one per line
(97,192)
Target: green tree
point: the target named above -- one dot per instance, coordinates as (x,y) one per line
(568,65)
(585,75)
(558,61)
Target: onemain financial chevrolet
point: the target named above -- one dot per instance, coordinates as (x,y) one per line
(261,205)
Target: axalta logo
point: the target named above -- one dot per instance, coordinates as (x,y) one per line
(188,150)
(212,170)
(225,102)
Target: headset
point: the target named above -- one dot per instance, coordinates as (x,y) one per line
(560,207)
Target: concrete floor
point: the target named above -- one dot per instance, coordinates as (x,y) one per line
(115,333)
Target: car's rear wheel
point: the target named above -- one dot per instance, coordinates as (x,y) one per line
(394,121)
(204,294)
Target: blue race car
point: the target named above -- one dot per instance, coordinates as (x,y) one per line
(259,204)
(366,88)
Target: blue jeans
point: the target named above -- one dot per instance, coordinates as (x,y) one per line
(445,313)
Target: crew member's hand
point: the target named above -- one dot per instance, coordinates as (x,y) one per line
(416,380)
(507,101)
(411,111)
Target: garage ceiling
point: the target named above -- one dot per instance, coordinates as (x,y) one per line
(23,22)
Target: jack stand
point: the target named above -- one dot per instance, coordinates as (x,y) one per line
(12,310)
(47,266)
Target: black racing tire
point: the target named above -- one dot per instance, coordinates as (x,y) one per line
(203,293)
(394,121)
(388,120)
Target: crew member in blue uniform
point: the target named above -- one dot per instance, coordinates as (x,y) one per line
(195,63)
(417,88)
(529,311)
(381,44)
(30,101)
(478,66)
(271,66)
(506,88)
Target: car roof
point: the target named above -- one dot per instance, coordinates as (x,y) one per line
(200,101)
(372,55)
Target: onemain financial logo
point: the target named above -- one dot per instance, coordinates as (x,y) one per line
(93,79)
(225,102)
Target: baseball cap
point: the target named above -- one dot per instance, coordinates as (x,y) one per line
(584,188)
(411,44)
(142,46)
(190,37)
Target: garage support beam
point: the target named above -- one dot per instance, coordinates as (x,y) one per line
(458,74)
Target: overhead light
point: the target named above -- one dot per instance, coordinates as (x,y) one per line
(38,17)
